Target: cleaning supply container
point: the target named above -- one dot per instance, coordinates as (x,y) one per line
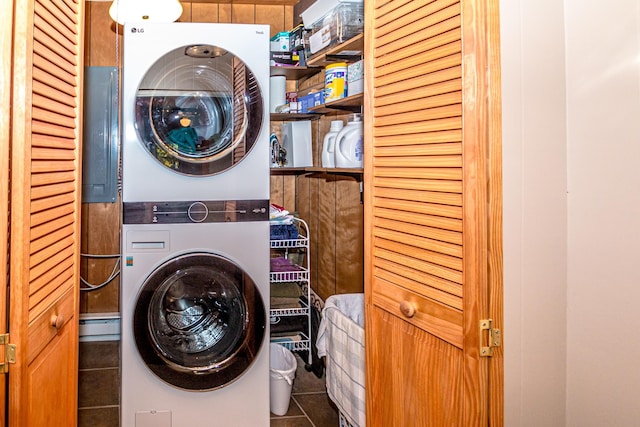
(350,143)
(335,81)
(282,371)
(329,144)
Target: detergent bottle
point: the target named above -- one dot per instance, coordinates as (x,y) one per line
(350,143)
(329,144)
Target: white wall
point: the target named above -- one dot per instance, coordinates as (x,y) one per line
(603,116)
(571,112)
(535,211)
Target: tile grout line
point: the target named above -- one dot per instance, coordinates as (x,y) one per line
(303,411)
(97,369)
(306,393)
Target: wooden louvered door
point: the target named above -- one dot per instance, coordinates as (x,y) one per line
(6,37)
(44,212)
(432,212)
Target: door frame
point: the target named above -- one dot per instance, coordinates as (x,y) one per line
(6,43)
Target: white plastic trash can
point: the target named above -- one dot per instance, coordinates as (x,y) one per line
(281,374)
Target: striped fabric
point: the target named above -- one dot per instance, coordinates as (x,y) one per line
(341,340)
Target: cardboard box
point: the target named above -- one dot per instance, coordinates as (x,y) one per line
(355,78)
(285,59)
(311,100)
(296,38)
(280,42)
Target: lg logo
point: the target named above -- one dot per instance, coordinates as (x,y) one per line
(137,30)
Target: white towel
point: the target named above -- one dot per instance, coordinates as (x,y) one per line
(341,341)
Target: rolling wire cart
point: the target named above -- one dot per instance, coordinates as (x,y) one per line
(289,268)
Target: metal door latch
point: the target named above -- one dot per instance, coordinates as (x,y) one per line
(495,338)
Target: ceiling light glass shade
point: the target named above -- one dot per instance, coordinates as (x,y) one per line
(136,11)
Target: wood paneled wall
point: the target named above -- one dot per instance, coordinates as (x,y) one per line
(100,221)
(330,203)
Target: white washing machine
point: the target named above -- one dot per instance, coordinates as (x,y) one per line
(194,112)
(194,303)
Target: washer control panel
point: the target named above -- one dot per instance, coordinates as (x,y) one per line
(195,212)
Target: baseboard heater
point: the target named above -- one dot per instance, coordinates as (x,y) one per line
(99,327)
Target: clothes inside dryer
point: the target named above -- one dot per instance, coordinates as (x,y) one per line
(198,110)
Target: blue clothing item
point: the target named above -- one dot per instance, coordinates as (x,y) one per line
(184,138)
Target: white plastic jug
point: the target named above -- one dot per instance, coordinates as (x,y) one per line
(329,144)
(350,144)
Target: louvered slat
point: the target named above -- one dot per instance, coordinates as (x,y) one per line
(424,173)
(446,292)
(51,105)
(48,116)
(40,244)
(45,64)
(52,142)
(434,137)
(422,242)
(62,51)
(51,214)
(419,184)
(62,26)
(418,93)
(52,166)
(49,153)
(48,229)
(385,270)
(40,265)
(440,29)
(56,283)
(452,299)
(422,150)
(415,220)
(47,191)
(420,81)
(43,82)
(423,103)
(412,194)
(50,251)
(440,234)
(51,178)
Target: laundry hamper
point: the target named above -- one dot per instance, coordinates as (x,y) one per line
(341,342)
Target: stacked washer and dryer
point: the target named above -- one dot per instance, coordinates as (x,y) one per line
(195,230)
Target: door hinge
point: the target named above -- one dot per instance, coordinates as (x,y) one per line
(9,353)
(495,338)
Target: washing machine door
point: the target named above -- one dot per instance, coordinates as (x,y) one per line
(199,110)
(199,322)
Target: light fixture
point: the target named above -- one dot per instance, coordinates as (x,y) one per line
(137,11)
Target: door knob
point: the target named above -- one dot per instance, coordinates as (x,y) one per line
(407,309)
(57,320)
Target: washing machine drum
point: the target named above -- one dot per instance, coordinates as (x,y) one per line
(199,322)
(199,110)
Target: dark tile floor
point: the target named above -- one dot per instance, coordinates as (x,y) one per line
(99,390)
(309,405)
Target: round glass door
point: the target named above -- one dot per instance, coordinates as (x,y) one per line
(199,322)
(199,110)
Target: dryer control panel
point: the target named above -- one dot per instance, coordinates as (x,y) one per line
(195,211)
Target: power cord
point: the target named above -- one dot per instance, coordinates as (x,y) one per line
(88,287)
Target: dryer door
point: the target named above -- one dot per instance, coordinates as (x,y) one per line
(199,110)
(199,321)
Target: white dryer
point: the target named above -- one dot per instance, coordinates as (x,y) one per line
(195,289)
(194,115)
